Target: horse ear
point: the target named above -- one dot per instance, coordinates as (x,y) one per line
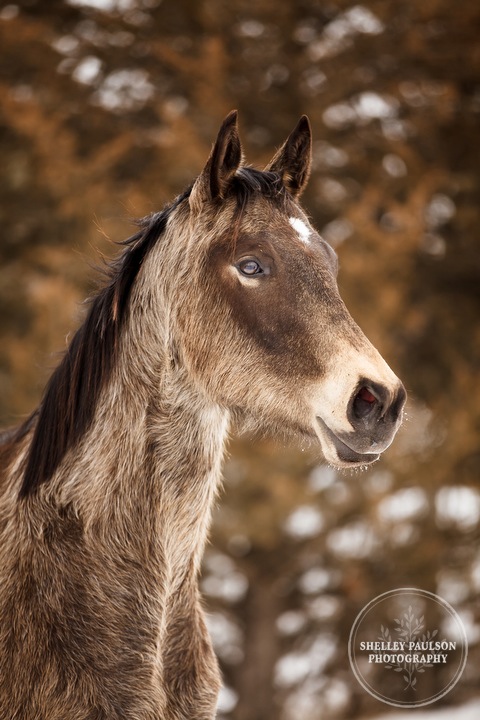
(224,161)
(294,159)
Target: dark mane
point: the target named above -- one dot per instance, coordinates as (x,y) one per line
(71,395)
(70,398)
(248,182)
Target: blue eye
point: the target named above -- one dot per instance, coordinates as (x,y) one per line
(250,267)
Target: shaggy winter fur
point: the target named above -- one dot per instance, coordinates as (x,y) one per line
(106,491)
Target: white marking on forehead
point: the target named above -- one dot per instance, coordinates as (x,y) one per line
(302,229)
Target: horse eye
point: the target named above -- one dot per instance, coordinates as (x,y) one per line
(250,267)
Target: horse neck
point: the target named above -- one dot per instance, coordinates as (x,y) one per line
(149,467)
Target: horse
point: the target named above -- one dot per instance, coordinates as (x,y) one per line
(221,311)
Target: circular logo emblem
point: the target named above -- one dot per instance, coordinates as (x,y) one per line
(408,647)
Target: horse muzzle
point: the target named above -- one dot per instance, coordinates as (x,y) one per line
(374,414)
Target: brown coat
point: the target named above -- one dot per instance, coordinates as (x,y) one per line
(222,308)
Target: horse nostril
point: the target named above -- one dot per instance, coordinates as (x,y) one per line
(363,403)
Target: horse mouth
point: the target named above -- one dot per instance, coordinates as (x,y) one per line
(339,453)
